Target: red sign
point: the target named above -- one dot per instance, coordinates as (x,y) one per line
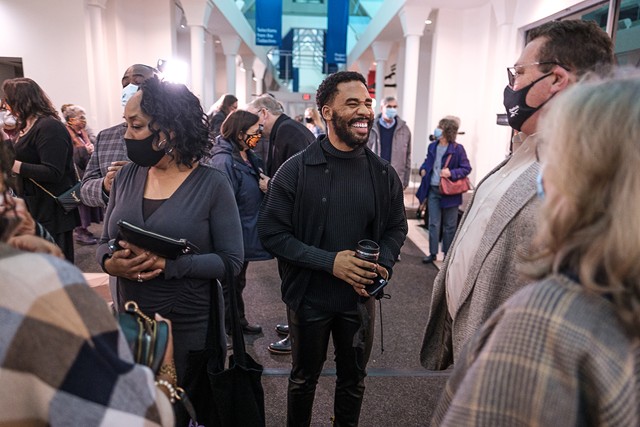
(306,96)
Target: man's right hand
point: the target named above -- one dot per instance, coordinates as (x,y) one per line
(107,182)
(354,271)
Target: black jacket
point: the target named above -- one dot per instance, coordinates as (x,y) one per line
(294,213)
(287,138)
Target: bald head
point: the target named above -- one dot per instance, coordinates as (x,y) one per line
(136,74)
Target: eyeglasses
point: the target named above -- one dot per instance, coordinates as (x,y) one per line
(513,72)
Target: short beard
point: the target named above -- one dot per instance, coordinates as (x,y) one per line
(341,127)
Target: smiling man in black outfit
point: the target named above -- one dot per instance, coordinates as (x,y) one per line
(320,203)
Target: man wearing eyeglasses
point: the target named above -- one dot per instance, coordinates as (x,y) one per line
(480,272)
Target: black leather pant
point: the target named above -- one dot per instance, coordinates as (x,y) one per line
(309,331)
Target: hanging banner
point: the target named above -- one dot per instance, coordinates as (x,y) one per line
(268,22)
(337,21)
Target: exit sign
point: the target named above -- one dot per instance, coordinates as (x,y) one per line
(306,96)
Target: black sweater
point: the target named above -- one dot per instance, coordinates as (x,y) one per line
(323,201)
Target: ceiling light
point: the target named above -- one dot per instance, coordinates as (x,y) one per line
(428,22)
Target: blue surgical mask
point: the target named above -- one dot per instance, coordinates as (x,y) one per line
(391,113)
(540,186)
(437,132)
(127,92)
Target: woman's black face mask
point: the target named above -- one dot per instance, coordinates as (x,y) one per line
(141,151)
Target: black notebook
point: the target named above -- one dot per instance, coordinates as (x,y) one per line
(165,246)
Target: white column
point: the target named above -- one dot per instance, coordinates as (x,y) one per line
(381,50)
(209,71)
(363,66)
(100,94)
(412,20)
(230,47)
(247,63)
(259,68)
(197,14)
(197,60)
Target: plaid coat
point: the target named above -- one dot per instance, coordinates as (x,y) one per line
(63,360)
(109,147)
(553,355)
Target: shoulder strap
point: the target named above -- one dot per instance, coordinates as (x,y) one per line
(446,164)
(42,188)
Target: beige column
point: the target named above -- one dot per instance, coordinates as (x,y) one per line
(230,47)
(412,20)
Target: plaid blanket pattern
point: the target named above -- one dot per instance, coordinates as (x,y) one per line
(63,360)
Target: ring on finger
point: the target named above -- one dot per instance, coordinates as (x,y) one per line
(139,278)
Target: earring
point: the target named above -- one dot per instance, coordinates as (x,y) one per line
(162,144)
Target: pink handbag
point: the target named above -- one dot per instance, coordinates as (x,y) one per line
(451,188)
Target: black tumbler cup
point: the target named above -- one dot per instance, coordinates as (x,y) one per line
(369,250)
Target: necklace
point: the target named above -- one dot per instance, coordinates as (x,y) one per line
(30,122)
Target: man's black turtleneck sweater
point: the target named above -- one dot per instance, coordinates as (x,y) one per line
(351,213)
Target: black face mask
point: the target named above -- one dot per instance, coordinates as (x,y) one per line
(516,105)
(308,119)
(141,151)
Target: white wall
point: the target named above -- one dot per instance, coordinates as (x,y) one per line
(51,44)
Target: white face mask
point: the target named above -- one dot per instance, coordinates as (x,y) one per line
(127,92)
(7,120)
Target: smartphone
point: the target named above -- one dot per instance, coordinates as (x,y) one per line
(375,289)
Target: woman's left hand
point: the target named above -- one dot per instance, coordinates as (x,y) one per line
(159,263)
(445,173)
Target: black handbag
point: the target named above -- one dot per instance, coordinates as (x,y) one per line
(147,338)
(224,397)
(70,199)
(166,247)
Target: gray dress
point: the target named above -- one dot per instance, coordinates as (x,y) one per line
(204,211)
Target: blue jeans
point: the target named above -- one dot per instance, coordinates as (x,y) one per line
(440,216)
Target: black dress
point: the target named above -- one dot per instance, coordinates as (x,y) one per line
(46,153)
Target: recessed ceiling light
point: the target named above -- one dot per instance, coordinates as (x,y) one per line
(428,22)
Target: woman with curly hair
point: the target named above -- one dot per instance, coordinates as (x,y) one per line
(167,191)
(44,159)
(566,349)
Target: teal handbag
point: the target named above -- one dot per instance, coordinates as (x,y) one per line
(147,338)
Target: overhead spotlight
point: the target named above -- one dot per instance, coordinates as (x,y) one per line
(173,70)
(183,22)
(428,22)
